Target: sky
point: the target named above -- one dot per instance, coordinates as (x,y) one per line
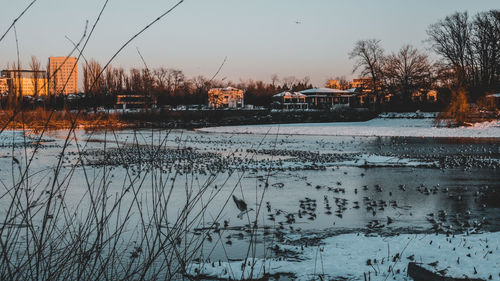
(259,37)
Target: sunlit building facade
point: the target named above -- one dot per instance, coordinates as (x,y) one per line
(24,82)
(4,86)
(228,97)
(63,75)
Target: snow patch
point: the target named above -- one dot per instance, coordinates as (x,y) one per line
(351,256)
(379,127)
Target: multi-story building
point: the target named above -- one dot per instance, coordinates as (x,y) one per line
(365,84)
(228,97)
(25,82)
(333,84)
(4,86)
(63,75)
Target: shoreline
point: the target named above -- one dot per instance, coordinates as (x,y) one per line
(186,119)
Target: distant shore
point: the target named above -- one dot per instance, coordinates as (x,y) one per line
(175,119)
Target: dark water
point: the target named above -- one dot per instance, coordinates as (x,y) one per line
(294,184)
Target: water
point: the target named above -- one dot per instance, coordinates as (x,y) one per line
(401,185)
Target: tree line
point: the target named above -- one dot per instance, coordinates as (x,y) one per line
(169,86)
(468,48)
(469,60)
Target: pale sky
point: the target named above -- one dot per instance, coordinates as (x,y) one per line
(259,37)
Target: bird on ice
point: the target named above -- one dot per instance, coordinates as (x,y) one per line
(242,206)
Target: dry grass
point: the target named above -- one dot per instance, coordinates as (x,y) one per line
(460,112)
(40,119)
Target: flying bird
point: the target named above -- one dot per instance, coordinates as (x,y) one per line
(298,22)
(242,206)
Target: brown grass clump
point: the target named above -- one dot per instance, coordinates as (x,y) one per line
(62,119)
(458,111)
(462,113)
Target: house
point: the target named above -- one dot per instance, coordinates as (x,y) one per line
(365,99)
(365,84)
(290,100)
(323,98)
(495,99)
(424,96)
(133,101)
(227,97)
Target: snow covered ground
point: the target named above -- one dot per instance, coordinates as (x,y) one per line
(351,256)
(383,127)
(19,138)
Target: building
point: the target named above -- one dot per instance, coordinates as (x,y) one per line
(63,75)
(326,98)
(228,97)
(4,85)
(494,99)
(133,101)
(24,82)
(290,100)
(365,84)
(333,84)
(424,96)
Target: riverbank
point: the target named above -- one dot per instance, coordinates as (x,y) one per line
(176,119)
(191,119)
(54,120)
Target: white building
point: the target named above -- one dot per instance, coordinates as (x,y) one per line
(328,98)
(228,97)
(291,100)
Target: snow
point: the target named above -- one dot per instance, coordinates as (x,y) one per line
(417,115)
(347,256)
(324,91)
(14,137)
(381,127)
(289,94)
(226,89)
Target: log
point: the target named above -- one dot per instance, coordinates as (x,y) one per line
(418,273)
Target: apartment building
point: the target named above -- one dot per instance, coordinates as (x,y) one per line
(24,82)
(63,75)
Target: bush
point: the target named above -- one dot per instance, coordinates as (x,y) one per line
(458,111)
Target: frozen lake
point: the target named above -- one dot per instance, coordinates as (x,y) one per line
(312,187)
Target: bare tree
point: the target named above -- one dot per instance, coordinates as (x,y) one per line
(35,66)
(134,80)
(177,78)
(15,85)
(486,46)
(289,82)
(408,70)
(109,85)
(160,77)
(274,79)
(451,38)
(92,79)
(306,80)
(369,57)
(339,82)
(201,86)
